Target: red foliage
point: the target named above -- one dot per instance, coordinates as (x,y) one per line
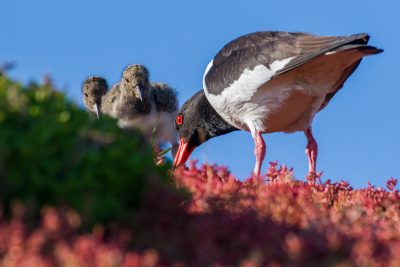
(276,222)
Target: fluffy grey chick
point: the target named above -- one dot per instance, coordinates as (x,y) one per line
(145,105)
(136,103)
(131,96)
(93,89)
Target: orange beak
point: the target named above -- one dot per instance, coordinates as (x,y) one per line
(183,153)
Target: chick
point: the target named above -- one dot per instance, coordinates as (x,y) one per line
(136,103)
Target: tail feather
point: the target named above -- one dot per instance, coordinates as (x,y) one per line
(366,49)
(370,50)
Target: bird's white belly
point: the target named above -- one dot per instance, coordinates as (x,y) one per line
(238,104)
(271,109)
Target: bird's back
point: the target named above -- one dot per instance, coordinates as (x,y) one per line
(165,98)
(109,101)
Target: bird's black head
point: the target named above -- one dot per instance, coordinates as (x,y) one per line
(197,122)
(135,78)
(93,89)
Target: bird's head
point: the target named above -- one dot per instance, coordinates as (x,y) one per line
(196,123)
(135,78)
(93,89)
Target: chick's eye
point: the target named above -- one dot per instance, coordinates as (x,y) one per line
(179,119)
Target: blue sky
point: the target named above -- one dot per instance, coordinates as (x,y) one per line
(358,133)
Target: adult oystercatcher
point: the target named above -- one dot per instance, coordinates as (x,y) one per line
(267,82)
(135,102)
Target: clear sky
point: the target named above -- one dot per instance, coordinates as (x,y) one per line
(358,133)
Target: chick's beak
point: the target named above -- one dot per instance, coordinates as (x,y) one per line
(138,91)
(183,153)
(96,110)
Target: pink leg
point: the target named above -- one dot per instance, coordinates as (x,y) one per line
(259,152)
(311,151)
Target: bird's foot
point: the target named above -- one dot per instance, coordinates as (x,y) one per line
(313,176)
(159,155)
(160,161)
(257,177)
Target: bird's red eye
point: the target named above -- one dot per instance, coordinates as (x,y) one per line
(179,119)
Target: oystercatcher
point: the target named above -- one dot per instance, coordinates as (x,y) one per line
(267,82)
(135,102)
(94,88)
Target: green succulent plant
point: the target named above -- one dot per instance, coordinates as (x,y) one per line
(52,152)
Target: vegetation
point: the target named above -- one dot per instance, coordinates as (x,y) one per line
(80,192)
(53,153)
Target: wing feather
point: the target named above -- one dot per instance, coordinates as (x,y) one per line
(264,48)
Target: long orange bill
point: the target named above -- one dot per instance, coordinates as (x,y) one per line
(183,153)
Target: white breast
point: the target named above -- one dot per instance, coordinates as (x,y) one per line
(236,105)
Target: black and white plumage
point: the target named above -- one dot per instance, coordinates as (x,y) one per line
(267,82)
(135,102)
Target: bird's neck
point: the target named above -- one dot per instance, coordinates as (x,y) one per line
(213,122)
(131,104)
